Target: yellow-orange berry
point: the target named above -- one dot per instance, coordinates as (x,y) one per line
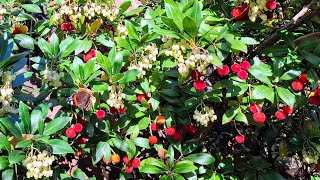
(160,119)
(115,158)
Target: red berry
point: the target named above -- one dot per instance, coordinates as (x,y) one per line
(287,110)
(135,163)
(154,127)
(87,57)
(297,85)
(177,136)
(92,52)
(235,67)
(317,91)
(125,159)
(315,100)
(195,75)
(224,71)
(71,27)
(259,117)
(77,127)
(192,129)
(240,138)
(303,78)
(255,108)
(70,133)
(199,85)
(141,97)
(170,130)
(64,27)
(318,167)
(280,115)
(101,114)
(15,30)
(122,110)
(84,121)
(237,14)
(153,140)
(128,169)
(245,65)
(82,140)
(242,75)
(271,5)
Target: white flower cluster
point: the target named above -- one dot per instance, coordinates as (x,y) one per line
(204,116)
(149,56)
(116,96)
(257,9)
(200,61)
(38,166)
(310,157)
(2,12)
(174,48)
(52,77)
(121,31)
(6,93)
(89,10)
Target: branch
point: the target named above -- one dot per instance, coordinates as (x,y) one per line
(298,19)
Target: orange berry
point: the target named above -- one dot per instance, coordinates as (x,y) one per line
(160,119)
(24,29)
(115,158)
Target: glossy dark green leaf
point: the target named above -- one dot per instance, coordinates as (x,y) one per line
(4,142)
(25,116)
(190,26)
(56,124)
(33,8)
(184,167)
(286,96)
(7,174)
(229,115)
(149,169)
(24,41)
(201,158)
(103,150)
(16,156)
(4,162)
(60,146)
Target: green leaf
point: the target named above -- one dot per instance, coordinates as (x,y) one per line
(4,143)
(25,116)
(72,47)
(184,167)
(260,75)
(124,6)
(313,78)
(103,149)
(248,40)
(56,125)
(60,146)
(261,92)
(54,44)
(129,76)
(165,31)
(150,169)
(237,89)
(170,23)
(38,116)
(105,63)
(78,174)
(24,41)
(229,115)
(24,144)
(33,8)
(238,45)
(132,32)
(4,162)
(286,96)
(11,127)
(190,26)
(241,118)
(7,174)
(312,58)
(142,142)
(216,61)
(292,74)
(169,64)
(16,157)
(201,158)
(173,12)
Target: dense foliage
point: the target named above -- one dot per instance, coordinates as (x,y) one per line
(185,89)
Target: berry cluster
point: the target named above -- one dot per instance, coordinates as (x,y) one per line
(52,78)
(67,26)
(149,56)
(241,69)
(116,97)
(310,157)
(6,93)
(115,159)
(258,116)
(91,54)
(71,132)
(298,84)
(282,113)
(130,164)
(314,98)
(253,9)
(173,133)
(204,116)
(3,11)
(38,166)
(121,31)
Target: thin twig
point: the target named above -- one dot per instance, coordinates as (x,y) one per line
(298,19)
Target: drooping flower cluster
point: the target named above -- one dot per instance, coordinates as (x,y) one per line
(174,48)
(121,31)
(200,61)
(38,166)
(6,93)
(52,77)
(310,156)
(89,10)
(2,12)
(149,56)
(116,96)
(204,116)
